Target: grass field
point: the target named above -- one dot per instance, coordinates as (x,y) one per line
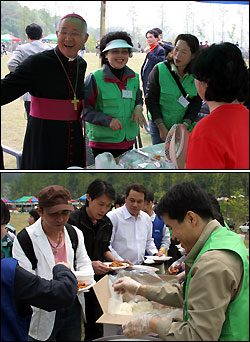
(19,221)
(13,118)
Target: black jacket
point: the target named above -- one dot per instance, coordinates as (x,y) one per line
(42,76)
(96,237)
(29,289)
(152,58)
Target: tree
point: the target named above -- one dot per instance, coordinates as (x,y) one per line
(238,208)
(231,34)
(200,31)
(15,185)
(10,14)
(91,43)
(44,18)
(15,18)
(223,12)
(132,14)
(189,19)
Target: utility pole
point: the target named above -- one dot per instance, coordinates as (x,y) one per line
(103,16)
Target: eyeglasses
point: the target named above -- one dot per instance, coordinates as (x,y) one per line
(117,52)
(71,34)
(180,52)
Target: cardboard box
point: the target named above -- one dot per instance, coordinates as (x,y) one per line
(102,292)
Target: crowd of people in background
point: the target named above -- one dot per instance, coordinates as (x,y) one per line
(108,227)
(176,86)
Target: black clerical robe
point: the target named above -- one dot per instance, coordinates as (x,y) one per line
(48,144)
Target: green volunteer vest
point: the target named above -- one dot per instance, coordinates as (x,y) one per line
(172,111)
(236,325)
(111,102)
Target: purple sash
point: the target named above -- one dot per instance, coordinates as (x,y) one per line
(52,109)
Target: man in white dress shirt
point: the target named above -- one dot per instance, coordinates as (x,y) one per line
(132,228)
(34,34)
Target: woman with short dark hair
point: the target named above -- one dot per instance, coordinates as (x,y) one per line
(113,99)
(164,98)
(221,140)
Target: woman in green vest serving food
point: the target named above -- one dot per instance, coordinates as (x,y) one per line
(113,100)
(171,94)
(215,293)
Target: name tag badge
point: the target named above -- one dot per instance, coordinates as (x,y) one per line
(184,102)
(127,94)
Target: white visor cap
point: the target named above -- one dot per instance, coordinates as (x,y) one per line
(119,43)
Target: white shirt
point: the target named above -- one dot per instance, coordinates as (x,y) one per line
(42,322)
(166,239)
(131,237)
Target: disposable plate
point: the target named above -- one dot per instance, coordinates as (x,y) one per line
(157,258)
(145,268)
(118,267)
(85,289)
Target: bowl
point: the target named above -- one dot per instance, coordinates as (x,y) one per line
(84,277)
(148,261)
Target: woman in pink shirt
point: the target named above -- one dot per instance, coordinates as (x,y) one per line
(221,140)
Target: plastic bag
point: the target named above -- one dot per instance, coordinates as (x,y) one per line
(176,145)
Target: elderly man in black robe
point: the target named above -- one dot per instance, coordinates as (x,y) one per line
(55,80)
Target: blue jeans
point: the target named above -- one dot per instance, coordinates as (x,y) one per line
(155,134)
(67,326)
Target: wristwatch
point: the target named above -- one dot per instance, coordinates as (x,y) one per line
(187,123)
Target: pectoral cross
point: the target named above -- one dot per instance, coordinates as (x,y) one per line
(75,102)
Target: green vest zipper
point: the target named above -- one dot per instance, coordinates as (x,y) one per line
(111,102)
(172,111)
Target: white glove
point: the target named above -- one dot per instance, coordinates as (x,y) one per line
(126,284)
(138,327)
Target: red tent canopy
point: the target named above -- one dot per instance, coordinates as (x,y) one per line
(5,200)
(32,199)
(15,39)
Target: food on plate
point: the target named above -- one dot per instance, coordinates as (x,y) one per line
(81,286)
(174,269)
(117,264)
(157,157)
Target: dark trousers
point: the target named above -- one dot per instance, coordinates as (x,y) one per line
(114,152)
(27,108)
(93,311)
(155,133)
(67,326)
(1,159)
(173,252)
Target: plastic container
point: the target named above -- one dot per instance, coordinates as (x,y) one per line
(83,277)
